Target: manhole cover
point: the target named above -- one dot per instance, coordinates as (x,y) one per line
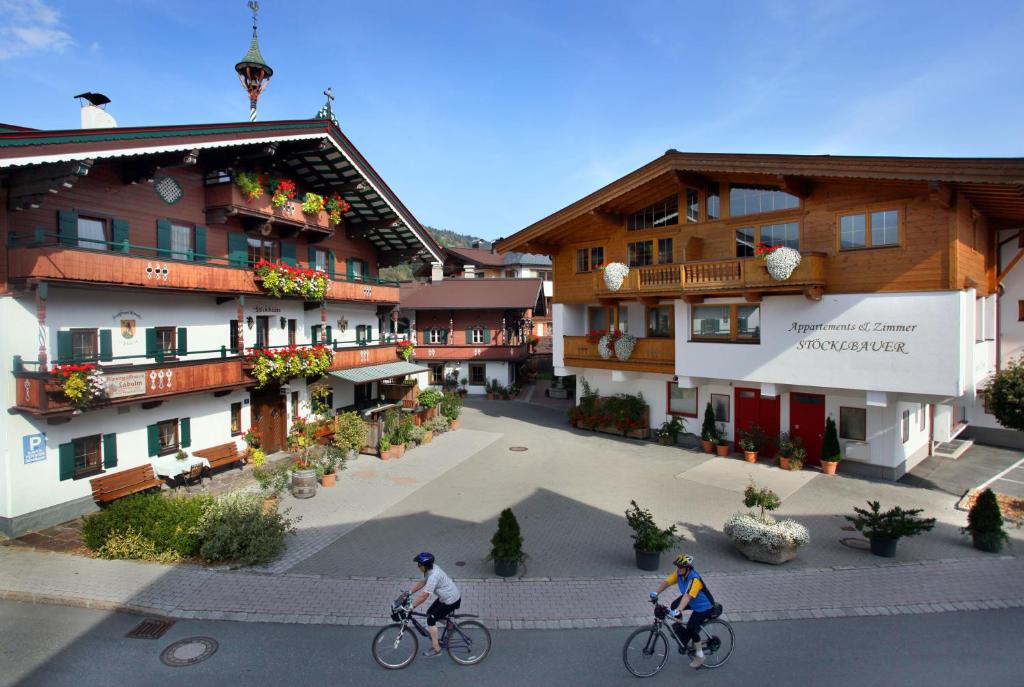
(518,449)
(460,564)
(150,628)
(856,543)
(188,652)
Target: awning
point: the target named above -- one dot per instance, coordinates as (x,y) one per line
(371,373)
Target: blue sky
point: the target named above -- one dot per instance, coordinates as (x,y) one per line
(485,117)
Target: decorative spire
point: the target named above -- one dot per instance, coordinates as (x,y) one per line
(326,112)
(253,71)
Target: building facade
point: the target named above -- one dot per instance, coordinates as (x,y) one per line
(137,250)
(889,324)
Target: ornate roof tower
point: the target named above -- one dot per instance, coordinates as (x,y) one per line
(253,71)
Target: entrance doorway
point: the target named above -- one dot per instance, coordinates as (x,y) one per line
(754,409)
(807,421)
(270,417)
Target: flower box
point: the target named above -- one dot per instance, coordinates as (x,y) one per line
(230,195)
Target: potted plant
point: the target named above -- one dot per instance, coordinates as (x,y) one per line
(350,433)
(830,448)
(384,447)
(780,261)
(491,387)
(760,537)
(273,480)
(451,408)
(507,546)
(463,386)
(985,523)
(251,185)
(649,541)
(668,433)
(885,528)
(708,430)
(796,461)
(724,447)
(181,455)
(751,441)
(437,425)
(327,466)
(614,274)
(785,445)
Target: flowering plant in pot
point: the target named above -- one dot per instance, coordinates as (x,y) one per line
(751,441)
(251,185)
(336,206)
(405,349)
(594,335)
(985,523)
(284,190)
(312,203)
(780,261)
(507,545)
(649,540)
(758,536)
(830,451)
(82,384)
(614,274)
(796,461)
(885,528)
(785,445)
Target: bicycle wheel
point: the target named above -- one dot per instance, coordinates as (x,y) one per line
(645,652)
(468,642)
(718,642)
(395,646)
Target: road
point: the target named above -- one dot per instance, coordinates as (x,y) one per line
(54,646)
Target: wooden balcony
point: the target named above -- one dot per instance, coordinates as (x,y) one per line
(426,353)
(226,200)
(70,264)
(650,355)
(734,276)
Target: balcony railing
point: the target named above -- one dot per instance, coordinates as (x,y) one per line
(713,276)
(426,353)
(649,355)
(39,392)
(39,255)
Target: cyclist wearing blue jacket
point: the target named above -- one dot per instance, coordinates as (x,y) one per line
(691,586)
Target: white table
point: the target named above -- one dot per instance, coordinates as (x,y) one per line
(170,466)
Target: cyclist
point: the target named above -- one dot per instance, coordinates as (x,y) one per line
(691,586)
(435,581)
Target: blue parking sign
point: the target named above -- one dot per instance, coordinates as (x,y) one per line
(33,447)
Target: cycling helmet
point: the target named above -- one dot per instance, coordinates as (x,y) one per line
(684,559)
(425,559)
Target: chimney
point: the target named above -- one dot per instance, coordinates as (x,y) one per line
(436,272)
(476,243)
(94,113)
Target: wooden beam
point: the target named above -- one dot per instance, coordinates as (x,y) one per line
(651,301)
(693,299)
(539,248)
(814,293)
(941,194)
(608,219)
(1009,267)
(690,180)
(800,187)
(752,296)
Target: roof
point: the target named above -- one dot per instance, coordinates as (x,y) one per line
(527,259)
(334,165)
(471,294)
(478,256)
(372,373)
(994,185)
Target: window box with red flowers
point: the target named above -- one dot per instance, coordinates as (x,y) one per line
(82,385)
(405,349)
(282,364)
(281,280)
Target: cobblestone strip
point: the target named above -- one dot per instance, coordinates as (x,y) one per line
(539,603)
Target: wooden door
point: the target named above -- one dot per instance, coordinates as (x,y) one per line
(807,421)
(269,416)
(754,409)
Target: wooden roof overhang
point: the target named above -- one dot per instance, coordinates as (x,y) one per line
(995,186)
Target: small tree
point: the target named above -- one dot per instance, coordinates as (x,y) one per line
(708,429)
(760,497)
(507,542)
(985,523)
(894,523)
(1005,395)
(830,450)
(648,537)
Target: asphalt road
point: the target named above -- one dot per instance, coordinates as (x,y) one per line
(53,646)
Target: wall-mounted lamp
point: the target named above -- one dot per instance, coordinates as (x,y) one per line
(342,324)
(284,322)
(249,322)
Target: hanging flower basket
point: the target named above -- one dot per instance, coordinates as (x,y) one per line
(405,349)
(780,261)
(284,190)
(624,346)
(251,185)
(606,346)
(336,206)
(82,385)
(614,274)
(284,280)
(312,203)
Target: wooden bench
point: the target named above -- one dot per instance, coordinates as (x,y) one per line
(124,482)
(221,455)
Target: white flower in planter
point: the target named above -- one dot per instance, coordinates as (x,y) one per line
(603,348)
(781,262)
(766,540)
(614,274)
(624,346)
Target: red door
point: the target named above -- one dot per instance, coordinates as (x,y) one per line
(754,409)
(807,421)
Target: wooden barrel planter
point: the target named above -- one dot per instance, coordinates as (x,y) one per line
(304,484)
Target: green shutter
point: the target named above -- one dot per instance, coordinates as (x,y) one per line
(314,333)
(184,432)
(67,228)
(238,249)
(110,450)
(366,271)
(182,340)
(200,254)
(119,234)
(330,336)
(106,346)
(150,342)
(330,263)
(67,461)
(444,336)
(153,439)
(349,269)
(312,257)
(487,336)
(369,333)
(64,346)
(163,238)
(469,335)
(288,253)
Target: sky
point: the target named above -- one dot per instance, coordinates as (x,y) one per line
(485,116)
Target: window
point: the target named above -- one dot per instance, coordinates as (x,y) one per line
(692,205)
(640,253)
(923,420)
(659,321)
(319,260)
(167,431)
(356,269)
(596,256)
(292,328)
(262,249)
(1020,311)
(479,275)
(166,349)
(749,238)
(88,459)
(92,233)
(437,374)
(853,424)
(182,242)
(682,401)
(713,201)
(597,318)
(83,344)
(716,323)
(664,251)
(295,404)
(436,336)
(869,230)
(477,335)
(587,259)
(477,374)
(236,419)
(906,426)
(750,200)
(511,274)
(233,336)
(661,214)
(262,331)
(720,404)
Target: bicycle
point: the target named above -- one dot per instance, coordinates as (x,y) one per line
(647,647)
(395,646)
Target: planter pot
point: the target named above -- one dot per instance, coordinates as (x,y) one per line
(387,454)
(987,542)
(304,484)
(750,456)
(762,554)
(624,346)
(398,450)
(723,450)
(707,446)
(455,424)
(883,547)
(490,397)
(665,441)
(329,479)
(783,463)
(647,560)
(505,568)
(829,466)
(428,437)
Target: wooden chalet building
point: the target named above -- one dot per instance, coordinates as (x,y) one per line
(903,303)
(135,249)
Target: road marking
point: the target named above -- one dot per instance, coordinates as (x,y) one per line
(1007,479)
(1000,475)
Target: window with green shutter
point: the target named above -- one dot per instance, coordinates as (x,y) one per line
(182,340)
(200,252)
(163,238)
(151,348)
(330,263)
(314,333)
(369,333)
(238,249)
(119,234)
(330,336)
(153,440)
(67,227)
(66,454)
(288,253)
(106,345)
(109,450)
(185,436)
(65,342)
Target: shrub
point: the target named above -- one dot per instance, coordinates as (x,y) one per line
(235,529)
(417,434)
(350,432)
(748,528)
(507,542)
(830,450)
(273,479)
(130,544)
(894,523)
(708,429)
(1005,395)
(647,535)
(404,435)
(437,425)
(168,523)
(985,523)
(451,405)
(429,398)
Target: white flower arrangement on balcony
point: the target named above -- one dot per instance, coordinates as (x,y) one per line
(779,260)
(764,539)
(614,274)
(606,346)
(624,346)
